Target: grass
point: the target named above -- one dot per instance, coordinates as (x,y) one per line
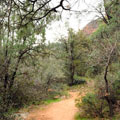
(83,90)
(39,105)
(78,117)
(49,101)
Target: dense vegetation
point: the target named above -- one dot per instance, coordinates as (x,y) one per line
(32,71)
(104,57)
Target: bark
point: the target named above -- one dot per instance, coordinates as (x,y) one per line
(72,68)
(107,11)
(109,101)
(108,96)
(107,93)
(72,74)
(14,73)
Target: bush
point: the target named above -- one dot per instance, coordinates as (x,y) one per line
(79,117)
(92,106)
(78,81)
(5,111)
(22,94)
(116,88)
(93,71)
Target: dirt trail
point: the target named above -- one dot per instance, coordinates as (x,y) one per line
(63,110)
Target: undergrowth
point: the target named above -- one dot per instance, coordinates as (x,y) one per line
(49,101)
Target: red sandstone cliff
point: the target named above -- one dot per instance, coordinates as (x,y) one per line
(90,27)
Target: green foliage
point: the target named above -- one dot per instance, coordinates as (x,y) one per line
(5,111)
(29,67)
(75,52)
(77,77)
(21,84)
(104,40)
(116,88)
(79,117)
(92,106)
(49,101)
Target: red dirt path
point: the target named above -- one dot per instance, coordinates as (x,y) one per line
(63,110)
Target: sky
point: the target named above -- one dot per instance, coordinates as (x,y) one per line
(72,19)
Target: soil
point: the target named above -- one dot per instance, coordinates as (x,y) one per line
(63,110)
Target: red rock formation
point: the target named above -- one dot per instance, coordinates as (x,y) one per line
(90,27)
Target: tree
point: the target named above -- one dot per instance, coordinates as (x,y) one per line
(75,49)
(18,44)
(32,10)
(105,10)
(20,22)
(106,52)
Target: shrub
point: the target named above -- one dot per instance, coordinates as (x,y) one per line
(78,81)
(5,111)
(92,105)
(116,88)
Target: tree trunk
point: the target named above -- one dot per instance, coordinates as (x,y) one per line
(109,101)
(72,74)
(107,92)
(72,68)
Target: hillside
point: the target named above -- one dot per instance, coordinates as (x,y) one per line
(90,27)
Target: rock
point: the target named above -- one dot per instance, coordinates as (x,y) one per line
(20,116)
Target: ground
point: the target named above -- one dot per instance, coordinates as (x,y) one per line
(63,110)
